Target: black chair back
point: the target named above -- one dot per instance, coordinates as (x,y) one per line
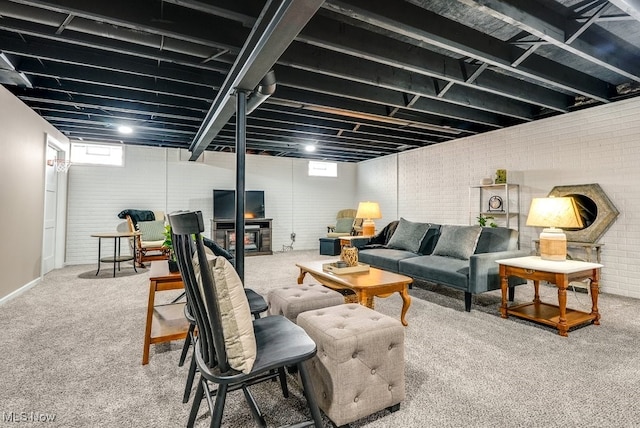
(187,228)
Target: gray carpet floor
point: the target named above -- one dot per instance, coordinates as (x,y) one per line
(71,347)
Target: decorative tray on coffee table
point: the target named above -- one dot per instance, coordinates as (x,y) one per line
(331,267)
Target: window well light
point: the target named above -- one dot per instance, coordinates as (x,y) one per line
(124,129)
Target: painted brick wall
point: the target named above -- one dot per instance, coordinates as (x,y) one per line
(599,145)
(162,179)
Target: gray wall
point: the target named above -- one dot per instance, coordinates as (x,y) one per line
(22,178)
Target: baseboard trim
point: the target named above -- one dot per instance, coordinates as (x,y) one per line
(16,293)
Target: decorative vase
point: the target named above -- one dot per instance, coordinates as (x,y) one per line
(173,266)
(501,176)
(486,181)
(349,255)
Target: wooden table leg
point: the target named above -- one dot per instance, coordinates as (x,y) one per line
(301,275)
(406,302)
(562,283)
(504,285)
(147,330)
(365,299)
(595,285)
(536,291)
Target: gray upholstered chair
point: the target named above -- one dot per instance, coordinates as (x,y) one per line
(346,224)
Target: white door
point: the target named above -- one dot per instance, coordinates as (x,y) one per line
(50,213)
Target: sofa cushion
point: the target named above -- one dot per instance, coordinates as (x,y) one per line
(457,241)
(344,225)
(439,269)
(151,230)
(384,258)
(408,235)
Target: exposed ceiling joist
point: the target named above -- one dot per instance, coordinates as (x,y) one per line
(360,79)
(278,25)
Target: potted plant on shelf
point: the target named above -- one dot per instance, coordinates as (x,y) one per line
(482,221)
(168,244)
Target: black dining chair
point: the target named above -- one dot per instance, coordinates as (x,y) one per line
(279,342)
(257,305)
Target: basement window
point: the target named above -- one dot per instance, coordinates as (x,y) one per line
(97,154)
(323,169)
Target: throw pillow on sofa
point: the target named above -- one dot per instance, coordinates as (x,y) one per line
(457,241)
(408,235)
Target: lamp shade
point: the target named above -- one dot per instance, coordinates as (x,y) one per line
(554,212)
(368,210)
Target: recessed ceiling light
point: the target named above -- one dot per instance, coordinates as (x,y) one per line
(310,148)
(123,129)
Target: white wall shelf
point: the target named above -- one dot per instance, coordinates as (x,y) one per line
(499,201)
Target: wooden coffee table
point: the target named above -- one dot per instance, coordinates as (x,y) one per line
(366,285)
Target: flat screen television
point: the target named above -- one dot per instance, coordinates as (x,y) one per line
(224,204)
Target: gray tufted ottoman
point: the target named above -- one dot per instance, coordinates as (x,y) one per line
(359,367)
(292,300)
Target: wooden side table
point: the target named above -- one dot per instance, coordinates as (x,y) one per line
(353,241)
(164,322)
(559,273)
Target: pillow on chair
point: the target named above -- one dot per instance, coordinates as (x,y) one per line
(344,225)
(237,322)
(151,230)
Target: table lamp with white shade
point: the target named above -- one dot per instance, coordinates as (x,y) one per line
(368,211)
(554,214)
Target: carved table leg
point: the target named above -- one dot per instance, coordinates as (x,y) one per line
(504,284)
(301,276)
(536,291)
(406,302)
(595,285)
(562,283)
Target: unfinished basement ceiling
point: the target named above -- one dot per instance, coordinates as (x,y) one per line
(363,78)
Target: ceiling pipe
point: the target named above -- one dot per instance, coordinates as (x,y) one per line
(264,90)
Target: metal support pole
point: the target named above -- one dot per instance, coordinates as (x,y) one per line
(241,148)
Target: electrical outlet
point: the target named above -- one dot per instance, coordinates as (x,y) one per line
(293,237)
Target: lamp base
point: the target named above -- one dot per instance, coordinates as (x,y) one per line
(553,245)
(368,228)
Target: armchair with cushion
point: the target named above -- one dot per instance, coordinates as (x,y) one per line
(346,224)
(151,225)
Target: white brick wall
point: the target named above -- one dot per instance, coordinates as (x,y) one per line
(599,145)
(156,179)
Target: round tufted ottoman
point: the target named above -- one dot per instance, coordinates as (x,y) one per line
(293,300)
(359,367)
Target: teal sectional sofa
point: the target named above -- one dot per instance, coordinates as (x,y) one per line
(461,257)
